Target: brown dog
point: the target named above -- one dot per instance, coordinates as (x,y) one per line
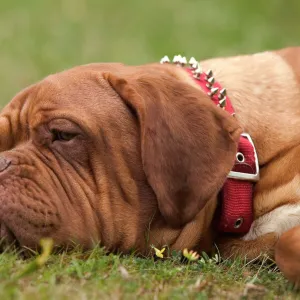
(125,156)
(134,156)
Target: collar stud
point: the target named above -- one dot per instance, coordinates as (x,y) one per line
(222,102)
(210,81)
(177,60)
(165,60)
(213,91)
(223,93)
(183,61)
(193,63)
(197,73)
(209,74)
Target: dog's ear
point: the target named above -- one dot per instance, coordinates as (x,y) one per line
(188,144)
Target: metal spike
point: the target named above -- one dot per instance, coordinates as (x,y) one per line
(193,63)
(210,81)
(209,73)
(183,61)
(192,60)
(222,102)
(195,66)
(197,73)
(223,92)
(198,70)
(177,59)
(213,91)
(165,60)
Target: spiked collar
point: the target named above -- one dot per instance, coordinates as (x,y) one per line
(205,79)
(235,209)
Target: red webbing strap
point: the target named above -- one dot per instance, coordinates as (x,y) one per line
(236,207)
(236,213)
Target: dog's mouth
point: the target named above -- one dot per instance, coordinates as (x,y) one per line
(7,238)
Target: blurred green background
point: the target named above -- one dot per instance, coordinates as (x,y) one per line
(38,37)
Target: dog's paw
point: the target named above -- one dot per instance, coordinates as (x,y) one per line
(237,247)
(287,254)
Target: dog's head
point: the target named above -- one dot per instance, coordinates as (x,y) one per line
(92,153)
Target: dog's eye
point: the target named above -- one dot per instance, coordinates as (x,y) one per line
(62,135)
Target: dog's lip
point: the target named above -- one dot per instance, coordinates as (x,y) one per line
(7,237)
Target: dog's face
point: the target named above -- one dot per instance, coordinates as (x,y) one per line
(93,154)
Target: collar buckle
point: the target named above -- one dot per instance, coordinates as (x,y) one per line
(247,176)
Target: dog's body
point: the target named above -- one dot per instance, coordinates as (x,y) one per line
(268,110)
(114,154)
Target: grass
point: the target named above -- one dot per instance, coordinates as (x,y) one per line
(42,37)
(97,275)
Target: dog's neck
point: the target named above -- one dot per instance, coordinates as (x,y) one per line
(264,93)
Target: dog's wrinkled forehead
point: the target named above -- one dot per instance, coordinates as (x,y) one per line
(74,86)
(79,93)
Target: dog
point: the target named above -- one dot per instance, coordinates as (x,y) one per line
(127,157)
(133,156)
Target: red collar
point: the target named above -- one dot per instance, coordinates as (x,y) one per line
(235,211)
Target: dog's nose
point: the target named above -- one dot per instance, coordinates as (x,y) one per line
(4,163)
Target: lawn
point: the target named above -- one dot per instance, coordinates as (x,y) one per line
(97,275)
(42,37)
